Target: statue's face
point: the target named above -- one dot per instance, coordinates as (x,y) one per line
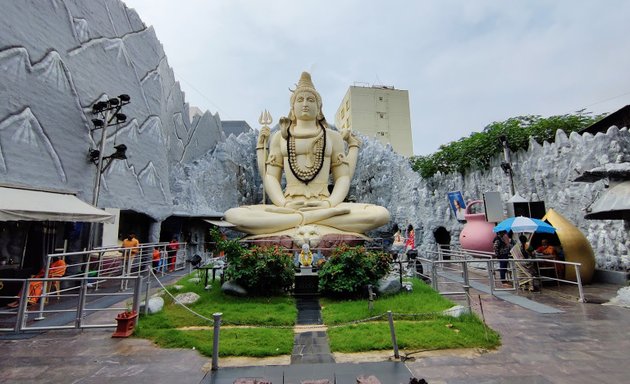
(305,106)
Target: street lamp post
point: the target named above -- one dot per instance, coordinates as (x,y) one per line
(507,164)
(107,113)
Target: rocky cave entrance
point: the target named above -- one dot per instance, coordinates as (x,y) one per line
(443,239)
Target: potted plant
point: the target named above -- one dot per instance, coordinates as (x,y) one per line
(126,323)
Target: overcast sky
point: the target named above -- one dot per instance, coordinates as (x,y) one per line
(465,63)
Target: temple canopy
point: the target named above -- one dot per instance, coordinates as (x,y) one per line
(28,205)
(613,205)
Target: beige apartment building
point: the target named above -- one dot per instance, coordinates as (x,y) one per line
(378,111)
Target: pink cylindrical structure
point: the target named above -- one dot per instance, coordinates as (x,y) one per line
(477,233)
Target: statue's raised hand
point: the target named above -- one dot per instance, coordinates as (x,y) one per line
(263,136)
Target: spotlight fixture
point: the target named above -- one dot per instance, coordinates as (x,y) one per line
(107,113)
(121,149)
(93,155)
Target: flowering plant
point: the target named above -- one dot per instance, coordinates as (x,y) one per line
(126,315)
(129,313)
(349,270)
(261,270)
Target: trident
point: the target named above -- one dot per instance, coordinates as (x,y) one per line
(265,120)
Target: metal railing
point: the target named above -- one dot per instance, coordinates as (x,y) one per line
(107,271)
(461,267)
(80,303)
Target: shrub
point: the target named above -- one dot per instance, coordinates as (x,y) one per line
(349,270)
(263,271)
(476,151)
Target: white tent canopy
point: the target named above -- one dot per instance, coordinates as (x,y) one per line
(614,204)
(28,205)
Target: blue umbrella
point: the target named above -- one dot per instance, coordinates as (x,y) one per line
(524,224)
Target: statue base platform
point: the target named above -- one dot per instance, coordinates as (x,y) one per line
(316,236)
(306,282)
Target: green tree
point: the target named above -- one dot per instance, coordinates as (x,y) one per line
(477,150)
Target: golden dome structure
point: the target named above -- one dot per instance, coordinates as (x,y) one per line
(575,246)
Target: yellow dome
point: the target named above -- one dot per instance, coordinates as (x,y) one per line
(575,246)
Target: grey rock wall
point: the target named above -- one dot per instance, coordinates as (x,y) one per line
(543,172)
(57,58)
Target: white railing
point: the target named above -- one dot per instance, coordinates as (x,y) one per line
(97,270)
(481,266)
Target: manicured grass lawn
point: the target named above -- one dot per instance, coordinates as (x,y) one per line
(428,329)
(422,300)
(438,333)
(272,319)
(272,311)
(255,342)
(165,328)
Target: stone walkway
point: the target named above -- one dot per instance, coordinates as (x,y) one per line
(585,343)
(310,346)
(579,343)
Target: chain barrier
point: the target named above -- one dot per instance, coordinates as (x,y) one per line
(358,321)
(211,321)
(396,315)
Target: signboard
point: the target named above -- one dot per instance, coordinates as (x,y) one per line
(493,206)
(457,204)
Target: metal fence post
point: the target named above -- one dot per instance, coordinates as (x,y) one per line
(393,333)
(43,296)
(146,295)
(78,321)
(23,303)
(466,282)
(136,293)
(578,279)
(215,340)
(491,275)
(98,270)
(371,296)
(434,276)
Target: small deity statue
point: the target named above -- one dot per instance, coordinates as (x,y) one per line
(308,152)
(306,256)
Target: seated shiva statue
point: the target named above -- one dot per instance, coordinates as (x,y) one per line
(308,152)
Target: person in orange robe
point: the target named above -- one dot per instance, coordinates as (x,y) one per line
(173,246)
(35,288)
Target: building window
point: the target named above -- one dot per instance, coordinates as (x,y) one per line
(381,133)
(381,115)
(380,98)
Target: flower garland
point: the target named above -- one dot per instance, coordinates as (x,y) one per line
(307,175)
(306,259)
